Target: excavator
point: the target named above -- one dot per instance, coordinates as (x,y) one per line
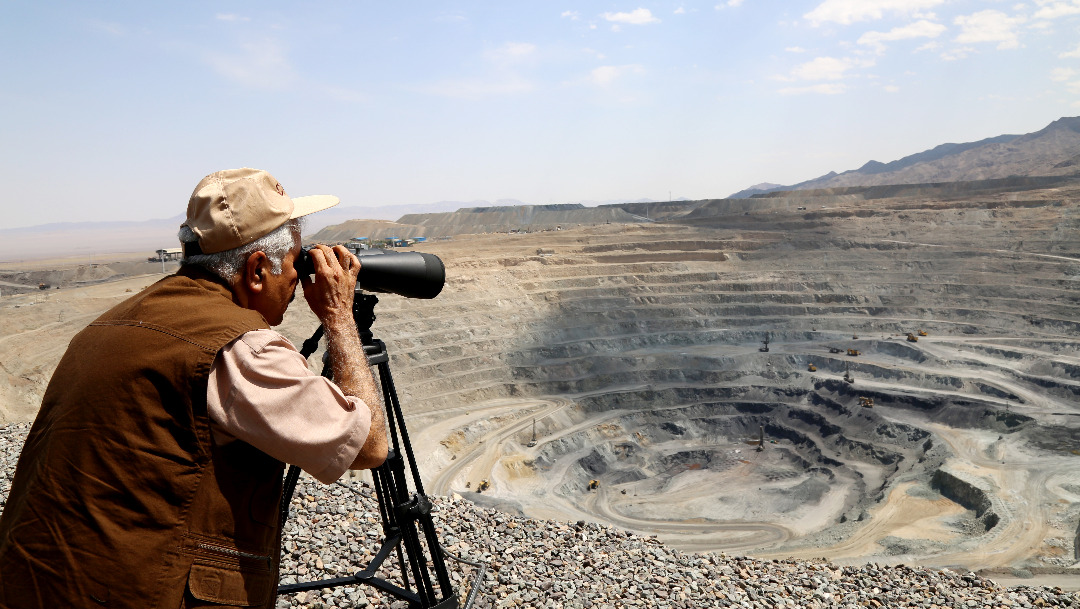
(866,402)
(912,338)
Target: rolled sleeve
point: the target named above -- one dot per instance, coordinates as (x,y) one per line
(261,392)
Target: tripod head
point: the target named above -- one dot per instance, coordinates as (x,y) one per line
(363,310)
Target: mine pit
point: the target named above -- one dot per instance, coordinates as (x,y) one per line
(619,376)
(663,391)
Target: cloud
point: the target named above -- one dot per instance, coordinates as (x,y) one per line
(680,11)
(1062,74)
(346,95)
(846,12)
(108,27)
(728,4)
(606,75)
(502,77)
(957,53)
(989,26)
(821,89)
(260,65)
(1054,9)
(511,52)
(231,17)
(1073,54)
(827,68)
(638,16)
(795,50)
(1070,78)
(919,29)
(474,89)
(891,89)
(596,54)
(571,15)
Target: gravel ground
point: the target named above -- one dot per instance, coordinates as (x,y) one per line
(334,531)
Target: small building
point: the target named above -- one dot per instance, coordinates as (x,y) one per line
(165,255)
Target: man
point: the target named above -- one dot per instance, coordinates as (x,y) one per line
(152,476)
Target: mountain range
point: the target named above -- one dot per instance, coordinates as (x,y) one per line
(1051,151)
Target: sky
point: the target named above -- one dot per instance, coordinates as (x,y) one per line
(115,110)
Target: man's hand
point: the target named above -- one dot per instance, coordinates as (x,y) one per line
(330,297)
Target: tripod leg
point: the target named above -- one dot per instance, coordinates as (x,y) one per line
(385,493)
(424,513)
(401,513)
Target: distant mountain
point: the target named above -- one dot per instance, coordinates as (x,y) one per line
(595,203)
(340,213)
(64,239)
(90,239)
(1052,151)
(756,189)
(503,218)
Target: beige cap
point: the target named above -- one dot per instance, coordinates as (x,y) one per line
(234,207)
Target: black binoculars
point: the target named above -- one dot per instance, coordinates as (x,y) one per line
(408,274)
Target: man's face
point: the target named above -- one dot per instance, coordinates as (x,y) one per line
(279,290)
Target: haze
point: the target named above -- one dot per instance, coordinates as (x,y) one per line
(114,111)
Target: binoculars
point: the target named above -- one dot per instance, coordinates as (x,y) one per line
(408,274)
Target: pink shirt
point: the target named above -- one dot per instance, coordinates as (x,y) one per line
(262,392)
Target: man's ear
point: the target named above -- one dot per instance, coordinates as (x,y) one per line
(255,269)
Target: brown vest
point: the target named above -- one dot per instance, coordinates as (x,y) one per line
(120,498)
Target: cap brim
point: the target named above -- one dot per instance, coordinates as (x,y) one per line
(303,206)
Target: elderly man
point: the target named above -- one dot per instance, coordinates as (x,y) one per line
(152,476)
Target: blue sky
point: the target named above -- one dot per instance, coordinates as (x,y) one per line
(115,110)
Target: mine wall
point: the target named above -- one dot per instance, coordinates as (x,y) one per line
(968,494)
(1076,542)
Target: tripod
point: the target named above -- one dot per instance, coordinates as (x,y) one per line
(406,519)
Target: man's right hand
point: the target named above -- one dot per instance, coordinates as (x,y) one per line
(330,297)
(330,294)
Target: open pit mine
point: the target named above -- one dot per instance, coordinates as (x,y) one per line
(887,374)
(863,375)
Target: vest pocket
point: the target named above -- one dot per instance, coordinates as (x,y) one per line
(225,586)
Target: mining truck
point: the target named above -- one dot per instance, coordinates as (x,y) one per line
(921,333)
(811,368)
(483,486)
(854,352)
(593,484)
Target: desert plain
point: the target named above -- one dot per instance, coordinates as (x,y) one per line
(615,370)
